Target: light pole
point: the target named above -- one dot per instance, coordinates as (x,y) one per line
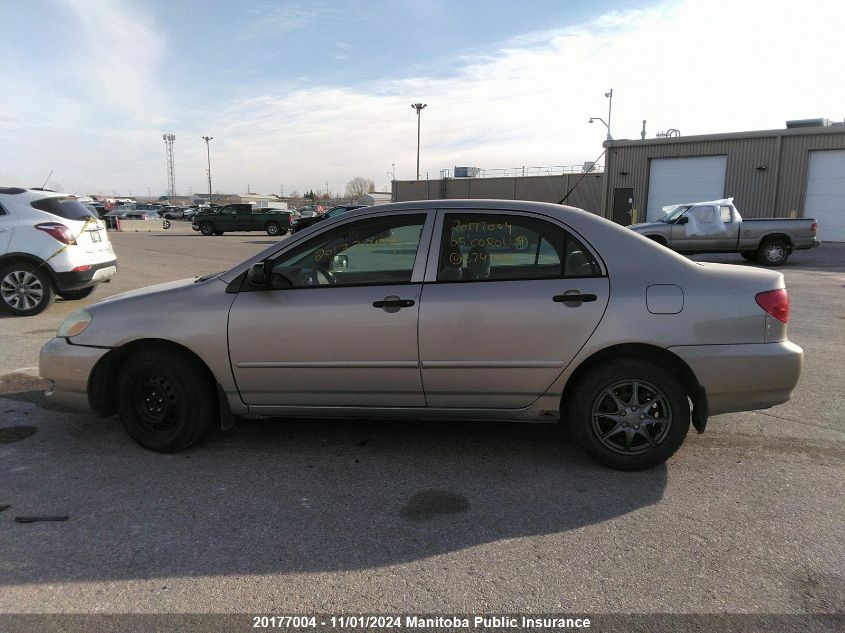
(598,118)
(418,107)
(208,154)
(609,96)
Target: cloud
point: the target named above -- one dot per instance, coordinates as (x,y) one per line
(294,15)
(700,66)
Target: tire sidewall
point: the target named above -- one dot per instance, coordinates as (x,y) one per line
(588,389)
(40,272)
(197,402)
(207,229)
(761,254)
(273,229)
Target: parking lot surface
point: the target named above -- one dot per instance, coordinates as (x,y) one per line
(395,516)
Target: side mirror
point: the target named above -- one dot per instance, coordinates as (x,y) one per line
(682,220)
(259,275)
(340,261)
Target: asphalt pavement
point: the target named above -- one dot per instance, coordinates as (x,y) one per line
(392,516)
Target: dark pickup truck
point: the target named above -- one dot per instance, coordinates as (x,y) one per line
(242,217)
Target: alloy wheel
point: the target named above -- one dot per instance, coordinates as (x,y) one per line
(631,417)
(21,290)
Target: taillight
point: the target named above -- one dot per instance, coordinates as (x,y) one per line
(775,302)
(57,231)
(814,227)
(81,269)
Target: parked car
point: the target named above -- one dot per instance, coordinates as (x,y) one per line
(382,312)
(303,223)
(242,217)
(49,244)
(717,227)
(146,214)
(172,213)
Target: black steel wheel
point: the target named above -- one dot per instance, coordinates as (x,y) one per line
(166,400)
(25,289)
(629,414)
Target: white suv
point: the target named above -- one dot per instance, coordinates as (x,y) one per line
(49,244)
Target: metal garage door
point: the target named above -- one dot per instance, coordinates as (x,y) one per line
(677,180)
(826,193)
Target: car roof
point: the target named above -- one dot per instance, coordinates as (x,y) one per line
(546,208)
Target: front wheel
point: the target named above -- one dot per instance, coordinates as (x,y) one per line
(25,289)
(773,252)
(206,228)
(74,295)
(166,400)
(629,415)
(273,228)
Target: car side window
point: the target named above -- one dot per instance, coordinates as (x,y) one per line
(374,251)
(493,247)
(725,210)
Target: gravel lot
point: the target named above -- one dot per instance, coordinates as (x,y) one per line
(322,516)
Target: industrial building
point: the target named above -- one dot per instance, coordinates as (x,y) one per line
(798,171)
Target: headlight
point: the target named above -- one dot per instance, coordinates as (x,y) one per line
(74,324)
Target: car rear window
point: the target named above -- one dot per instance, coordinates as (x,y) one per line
(66,208)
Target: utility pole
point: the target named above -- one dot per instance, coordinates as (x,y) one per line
(418,107)
(171,172)
(609,96)
(208,154)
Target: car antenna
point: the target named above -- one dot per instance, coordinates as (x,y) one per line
(47,179)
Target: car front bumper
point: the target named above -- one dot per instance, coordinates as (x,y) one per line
(68,367)
(744,377)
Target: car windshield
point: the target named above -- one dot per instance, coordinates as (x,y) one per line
(674,215)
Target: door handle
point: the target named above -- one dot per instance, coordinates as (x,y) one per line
(574,298)
(394,303)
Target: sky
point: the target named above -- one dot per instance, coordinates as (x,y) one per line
(308,94)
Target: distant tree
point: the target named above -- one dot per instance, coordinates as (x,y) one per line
(358,186)
(294,194)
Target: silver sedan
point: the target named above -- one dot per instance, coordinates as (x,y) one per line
(455,309)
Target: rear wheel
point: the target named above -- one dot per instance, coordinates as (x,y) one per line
(73,295)
(273,228)
(773,252)
(749,256)
(206,228)
(25,289)
(166,400)
(630,415)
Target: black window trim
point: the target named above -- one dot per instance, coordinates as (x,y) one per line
(437,238)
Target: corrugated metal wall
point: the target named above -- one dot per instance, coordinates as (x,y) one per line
(776,191)
(586,195)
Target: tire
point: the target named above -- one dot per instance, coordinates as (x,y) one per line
(749,256)
(26,289)
(599,420)
(773,252)
(74,295)
(166,400)
(273,228)
(206,228)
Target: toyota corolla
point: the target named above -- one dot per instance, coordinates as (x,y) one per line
(445,309)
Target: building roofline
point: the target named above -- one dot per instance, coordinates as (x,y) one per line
(799,131)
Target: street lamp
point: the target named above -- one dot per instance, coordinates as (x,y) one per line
(418,107)
(208,154)
(598,118)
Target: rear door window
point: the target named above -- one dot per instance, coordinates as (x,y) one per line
(66,208)
(494,247)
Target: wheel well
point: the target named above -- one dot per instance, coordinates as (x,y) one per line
(780,237)
(641,351)
(13,258)
(657,238)
(103,381)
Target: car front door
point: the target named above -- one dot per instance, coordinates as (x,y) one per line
(341,327)
(509,301)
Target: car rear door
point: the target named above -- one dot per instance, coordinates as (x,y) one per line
(509,300)
(341,329)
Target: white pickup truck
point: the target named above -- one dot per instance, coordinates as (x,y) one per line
(717,227)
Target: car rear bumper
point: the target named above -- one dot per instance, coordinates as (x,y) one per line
(68,367)
(744,377)
(95,274)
